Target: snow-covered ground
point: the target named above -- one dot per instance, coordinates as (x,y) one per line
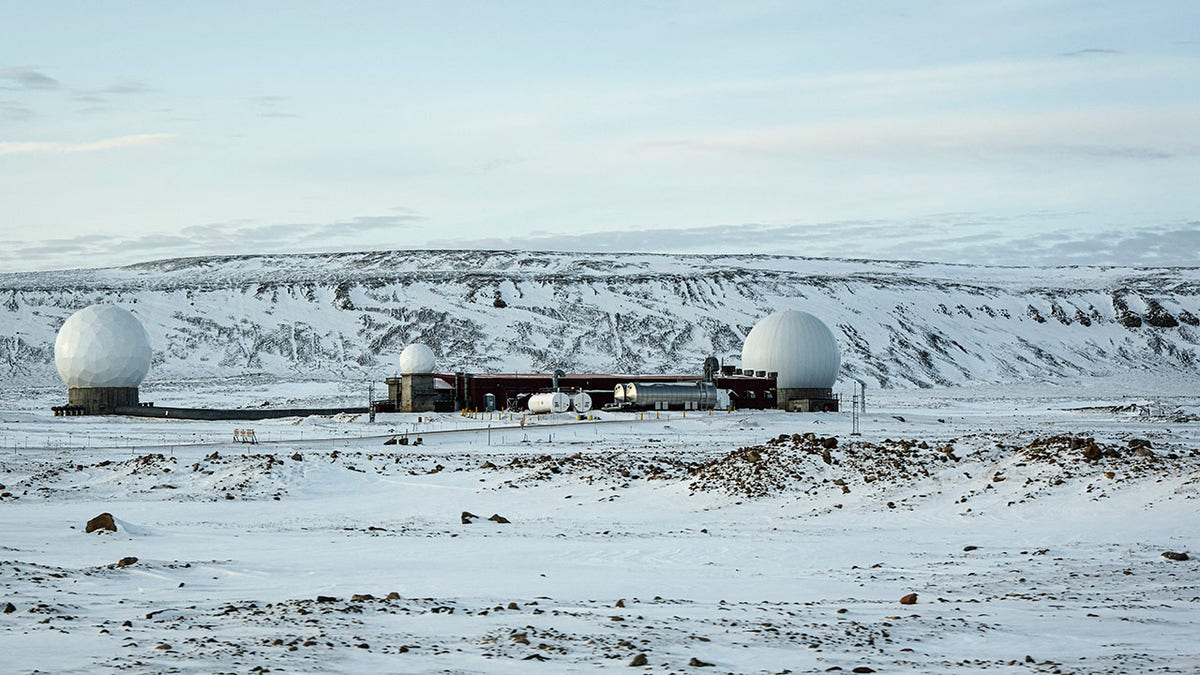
(730,542)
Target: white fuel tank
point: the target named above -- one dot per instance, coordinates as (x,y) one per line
(581,402)
(556,402)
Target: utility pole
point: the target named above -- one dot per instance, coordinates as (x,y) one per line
(854,415)
(371,401)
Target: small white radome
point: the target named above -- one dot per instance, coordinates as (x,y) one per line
(417,359)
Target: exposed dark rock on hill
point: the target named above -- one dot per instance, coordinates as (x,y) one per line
(349,315)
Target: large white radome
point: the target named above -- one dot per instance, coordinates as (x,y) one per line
(798,346)
(417,359)
(102,346)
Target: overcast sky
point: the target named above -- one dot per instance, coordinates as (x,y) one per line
(1007,132)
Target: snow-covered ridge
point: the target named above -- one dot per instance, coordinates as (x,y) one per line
(349,314)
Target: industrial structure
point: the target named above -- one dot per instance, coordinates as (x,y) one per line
(582,391)
(802,351)
(790,361)
(416,390)
(102,353)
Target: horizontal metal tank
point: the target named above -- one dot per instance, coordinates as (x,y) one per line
(671,395)
(581,402)
(619,395)
(555,402)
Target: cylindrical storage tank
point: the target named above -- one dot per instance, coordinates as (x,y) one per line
(581,402)
(619,394)
(554,402)
(671,395)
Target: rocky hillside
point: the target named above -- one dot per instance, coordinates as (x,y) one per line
(349,315)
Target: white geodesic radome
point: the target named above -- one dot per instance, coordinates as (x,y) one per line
(102,346)
(798,346)
(417,359)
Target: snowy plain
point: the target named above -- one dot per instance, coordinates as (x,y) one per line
(743,542)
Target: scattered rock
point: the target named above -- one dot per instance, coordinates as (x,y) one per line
(497,518)
(326,598)
(468,517)
(101,523)
(698,663)
(298,457)
(9,608)
(970,548)
(127,561)
(910,599)
(639,660)
(863,669)
(1175,555)
(620,603)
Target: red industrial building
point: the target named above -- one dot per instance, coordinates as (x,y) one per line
(481,391)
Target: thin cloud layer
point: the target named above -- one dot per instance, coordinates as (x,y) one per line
(951,238)
(13,111)
(232,238)
(25,78)
(271,106)
(1115,133)
(61,147)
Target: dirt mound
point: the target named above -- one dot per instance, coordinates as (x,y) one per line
(805,462)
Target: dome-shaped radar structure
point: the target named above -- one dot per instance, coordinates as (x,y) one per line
(102,353)
(796,345)
(417,359)
(102,346)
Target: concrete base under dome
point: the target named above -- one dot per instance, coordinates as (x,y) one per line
(417,393)
(102,400)
(807,400)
